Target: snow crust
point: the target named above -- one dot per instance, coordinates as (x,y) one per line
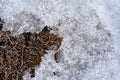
(90,31)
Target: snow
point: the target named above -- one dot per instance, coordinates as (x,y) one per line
(90,31)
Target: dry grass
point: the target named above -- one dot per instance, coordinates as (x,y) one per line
(23,53)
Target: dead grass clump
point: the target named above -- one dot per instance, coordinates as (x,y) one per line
(23,53)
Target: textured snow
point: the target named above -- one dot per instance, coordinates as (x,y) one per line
(90,31)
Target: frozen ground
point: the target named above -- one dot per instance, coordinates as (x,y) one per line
(90,31)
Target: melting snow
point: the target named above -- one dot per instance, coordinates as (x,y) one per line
(90,31)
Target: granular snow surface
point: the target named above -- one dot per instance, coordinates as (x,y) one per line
(90,31)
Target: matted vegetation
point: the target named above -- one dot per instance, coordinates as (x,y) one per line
(24,52)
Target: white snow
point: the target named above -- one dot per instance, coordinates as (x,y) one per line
(90,31)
